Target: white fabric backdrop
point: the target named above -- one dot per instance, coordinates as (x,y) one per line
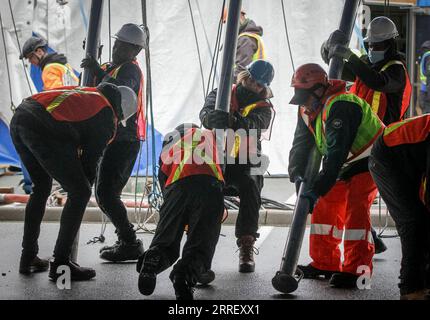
(177,87)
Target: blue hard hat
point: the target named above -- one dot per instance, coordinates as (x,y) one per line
(262,71)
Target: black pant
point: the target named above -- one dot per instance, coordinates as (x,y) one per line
(64,151)
(112,176)
(196,201)
(401,194)
(249,190)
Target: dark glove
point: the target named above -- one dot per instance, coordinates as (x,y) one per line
(340,51)
(312,197)
(298,181)
(324,52)
(216,119)
(337,37)
(92,64)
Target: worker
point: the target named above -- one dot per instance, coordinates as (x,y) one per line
(191,180)
(61,134)
(250,111)
(343,127)
(120,156)
(399,164)
(424,97)
(380,77)
(56,72)
(250,46)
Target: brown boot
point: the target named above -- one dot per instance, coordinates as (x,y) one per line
(417,295)
(246,253)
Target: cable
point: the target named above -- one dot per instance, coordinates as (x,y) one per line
(19,47)
(12,106)
(286,33)
(198,48)
(110,31)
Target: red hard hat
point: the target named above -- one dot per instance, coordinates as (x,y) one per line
(307,77)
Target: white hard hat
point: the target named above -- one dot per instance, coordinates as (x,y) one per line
(134,34)
(128,102)
(381,29)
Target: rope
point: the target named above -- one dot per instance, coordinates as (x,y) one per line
(198,48)
(19,47)
(110,31)
(286,33)
(12,106)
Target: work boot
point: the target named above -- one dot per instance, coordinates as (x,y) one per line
(344,280)
(246,253)
(29,265)
(422,294)
(183,289)
(77,273)
(310,272)
(379,244)
(123,252)
(149,264)
(206,277)
(115,245)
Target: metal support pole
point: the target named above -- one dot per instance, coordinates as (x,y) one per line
(411,43)
(286,280)
(93,37)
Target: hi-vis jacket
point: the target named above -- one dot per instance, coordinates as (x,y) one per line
(193,154)
(343,130)
(56,72)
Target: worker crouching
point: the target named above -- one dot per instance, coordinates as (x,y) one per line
(191,180)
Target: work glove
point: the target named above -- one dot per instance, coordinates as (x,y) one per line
(312,197)
(216,119)
(340,51)
(337,37)
(324,52)
(92,64)
(298,181)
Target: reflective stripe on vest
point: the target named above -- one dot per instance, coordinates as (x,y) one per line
(261,52)
(423,78)
(69,78)
(412,130)
(67,93)
(187,165)
(369,129)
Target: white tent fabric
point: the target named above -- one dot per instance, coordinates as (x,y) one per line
(177,88)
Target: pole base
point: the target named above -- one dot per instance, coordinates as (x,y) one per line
(285,283)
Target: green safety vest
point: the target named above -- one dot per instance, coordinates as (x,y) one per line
(423,78)
(261,52)
(368,131)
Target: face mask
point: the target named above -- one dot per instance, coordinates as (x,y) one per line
(376,56)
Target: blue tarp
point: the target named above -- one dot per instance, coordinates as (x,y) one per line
(8,154)
(423,3)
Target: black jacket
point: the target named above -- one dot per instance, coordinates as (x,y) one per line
(392,81)
(53,58)
(129,75)
(341,129)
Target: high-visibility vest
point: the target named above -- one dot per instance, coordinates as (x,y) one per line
(261,51)
(140,114)
(378,99)
(368,131)
(55,75)
(72,103)
(194,154)
(423,77)
(412,130)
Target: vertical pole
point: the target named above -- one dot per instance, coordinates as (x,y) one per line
(93,37)
(285,279)
(411,43)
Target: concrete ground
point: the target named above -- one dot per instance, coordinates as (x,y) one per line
(119,281)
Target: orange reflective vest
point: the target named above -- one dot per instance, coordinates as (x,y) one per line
(140,114)
(72,103)
(194,154)
(55,75)
(412,130)
(378,99)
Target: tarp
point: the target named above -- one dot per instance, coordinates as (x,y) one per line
(176,80)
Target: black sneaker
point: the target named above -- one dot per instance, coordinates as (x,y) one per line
(149,262)
(27,266)
(183,290)
(343,280)
(310,272)
(206,277)
(123,252)
(115,245)
(77,273)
